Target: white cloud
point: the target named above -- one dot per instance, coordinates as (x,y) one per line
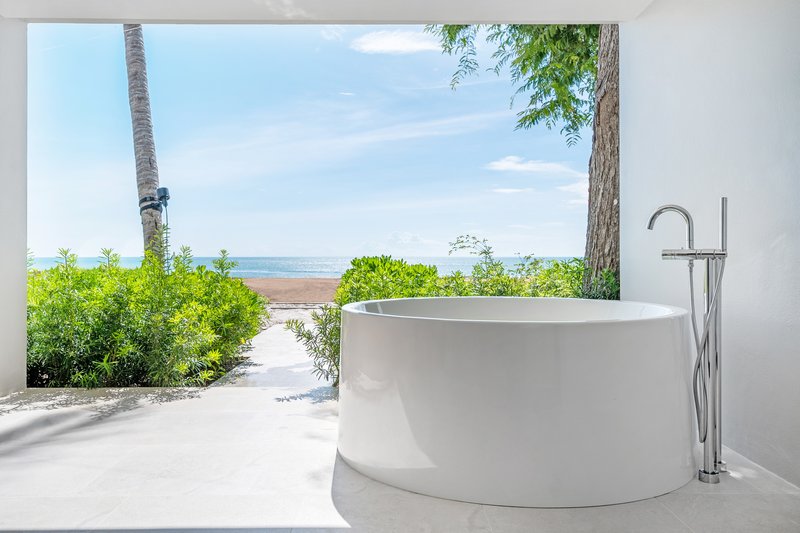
(539,227)
(315,137)
(345,93)
(445,84)
(513,163)
(447,201)
(454,125)
(403,243)
(395,42)
(513,191)
(580,189)
(405,239)
(332,33)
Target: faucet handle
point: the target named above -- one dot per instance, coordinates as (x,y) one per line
(692,254)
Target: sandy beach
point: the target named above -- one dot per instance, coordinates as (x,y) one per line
(294,290)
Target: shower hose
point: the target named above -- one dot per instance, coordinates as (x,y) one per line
(699,382)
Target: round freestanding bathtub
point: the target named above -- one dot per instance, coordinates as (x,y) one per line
(535,402)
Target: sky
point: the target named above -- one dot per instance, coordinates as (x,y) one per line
(292,141)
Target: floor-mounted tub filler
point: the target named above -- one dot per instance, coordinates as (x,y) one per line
(707,374)
(531,402)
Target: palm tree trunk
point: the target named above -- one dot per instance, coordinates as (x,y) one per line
(602,233)
(144,146)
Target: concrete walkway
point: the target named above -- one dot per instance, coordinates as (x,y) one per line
(257,452)
(256,449)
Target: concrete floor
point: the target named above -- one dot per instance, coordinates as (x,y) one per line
(257,452)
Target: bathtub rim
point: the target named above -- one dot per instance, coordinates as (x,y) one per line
(357,308)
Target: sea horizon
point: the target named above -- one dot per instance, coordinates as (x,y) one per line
(297,266)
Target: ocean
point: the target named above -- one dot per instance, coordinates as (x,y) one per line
(294,267)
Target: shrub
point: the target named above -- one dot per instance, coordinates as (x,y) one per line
(490,276)
(561,279)
(376,278)
(368,278)
(165,323)
(603,287)
(321,341)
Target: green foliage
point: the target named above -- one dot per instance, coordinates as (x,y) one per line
(378,278)
(528,277)
(554,65)
(560,279)
(148,326)
(605,286)
(223,264)
(490,276)
(321,341)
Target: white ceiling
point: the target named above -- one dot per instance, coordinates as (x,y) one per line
(324,11)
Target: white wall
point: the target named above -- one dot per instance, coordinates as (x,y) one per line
(710,106)
(13,204)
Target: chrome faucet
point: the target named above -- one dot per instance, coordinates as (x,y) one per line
(686,217)
(690,253)
(706,381)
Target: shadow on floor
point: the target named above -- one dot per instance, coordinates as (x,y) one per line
(315,395)
(236,374)
(103,402)
(95,406)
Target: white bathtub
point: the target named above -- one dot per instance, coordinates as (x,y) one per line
(534,402)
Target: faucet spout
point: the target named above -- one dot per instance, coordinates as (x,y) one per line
(686,217)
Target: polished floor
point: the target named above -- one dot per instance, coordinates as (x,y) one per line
(258,453)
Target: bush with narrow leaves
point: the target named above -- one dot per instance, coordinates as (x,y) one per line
(165,323)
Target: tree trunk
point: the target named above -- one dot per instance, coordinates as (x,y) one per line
(602,232)
(144,146)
